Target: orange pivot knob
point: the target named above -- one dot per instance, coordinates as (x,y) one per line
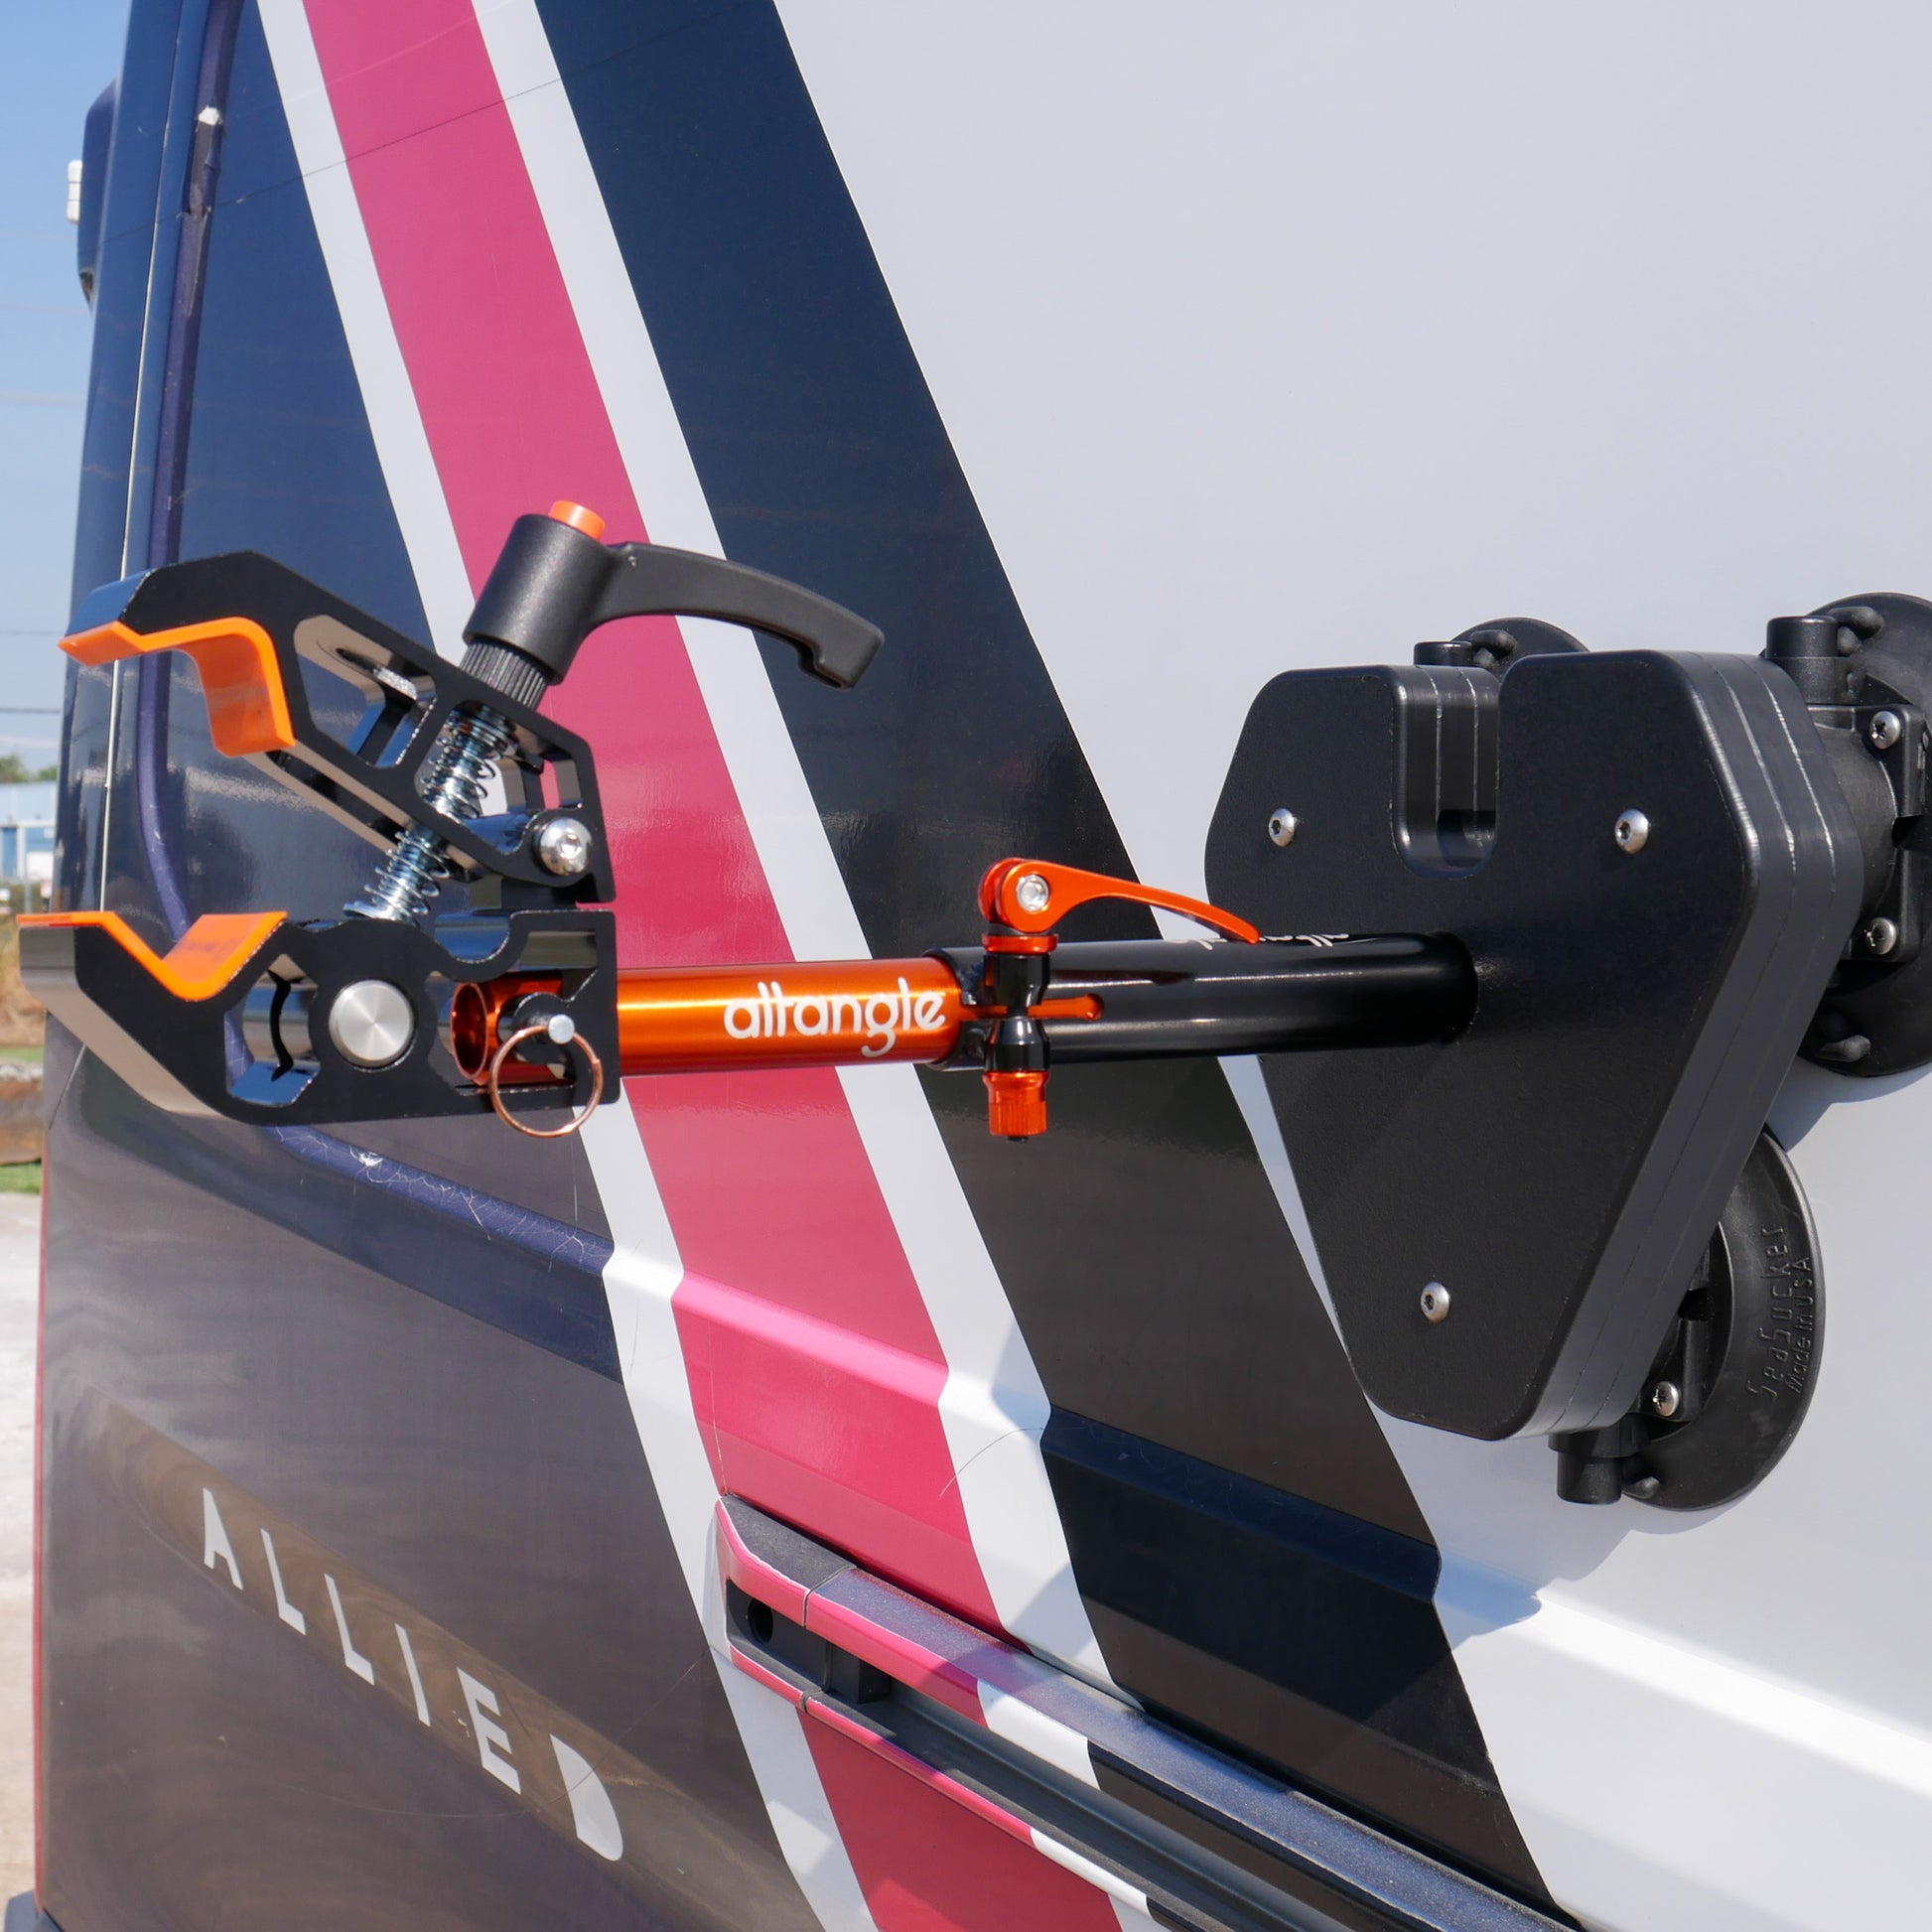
(578,517)
(1016,1104)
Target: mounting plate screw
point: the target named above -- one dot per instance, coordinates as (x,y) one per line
(1632,830)
(1665,1399)
(1881,936)
(564,847)
(1031,893)
(1282,826)
(1886,730)
(1435,1303)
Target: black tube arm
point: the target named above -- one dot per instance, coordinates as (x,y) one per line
(1162,998)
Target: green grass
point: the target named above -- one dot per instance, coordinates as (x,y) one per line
(27,1054)
(20,1178)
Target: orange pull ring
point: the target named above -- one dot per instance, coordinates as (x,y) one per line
(1034,896)
(495,1084)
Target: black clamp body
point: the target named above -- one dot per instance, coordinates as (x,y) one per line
(372,781)
(263,1019)
(260,1048)
(242,1028)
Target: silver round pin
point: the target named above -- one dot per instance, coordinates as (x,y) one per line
(372,1023)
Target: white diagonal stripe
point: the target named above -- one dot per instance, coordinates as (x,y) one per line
(993,1406)
(395,423)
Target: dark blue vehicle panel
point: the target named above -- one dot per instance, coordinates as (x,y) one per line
(386,1341)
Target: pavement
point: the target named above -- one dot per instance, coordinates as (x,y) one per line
(20,1272)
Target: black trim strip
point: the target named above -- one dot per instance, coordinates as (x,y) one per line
(1214,1844)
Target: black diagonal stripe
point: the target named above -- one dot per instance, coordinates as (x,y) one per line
(1141,1245)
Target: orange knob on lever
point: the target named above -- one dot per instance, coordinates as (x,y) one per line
(1025,898)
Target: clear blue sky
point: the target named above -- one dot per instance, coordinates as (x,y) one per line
(53,61)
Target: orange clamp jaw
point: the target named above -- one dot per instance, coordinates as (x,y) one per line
(241,678)
(203,962)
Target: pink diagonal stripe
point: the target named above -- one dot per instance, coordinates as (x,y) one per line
(766,1182)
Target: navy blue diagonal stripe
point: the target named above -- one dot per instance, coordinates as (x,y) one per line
(1139,1242)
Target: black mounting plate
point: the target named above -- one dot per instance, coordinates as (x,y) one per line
(1560,1164)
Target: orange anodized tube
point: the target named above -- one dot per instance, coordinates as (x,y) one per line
(715,1019)
(812,1013)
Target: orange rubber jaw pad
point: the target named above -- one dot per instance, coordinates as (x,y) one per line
(200,964)
(241,677)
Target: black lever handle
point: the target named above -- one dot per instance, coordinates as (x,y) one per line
(834,643)
(554,583)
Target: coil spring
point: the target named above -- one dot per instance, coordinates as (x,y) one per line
(452,783)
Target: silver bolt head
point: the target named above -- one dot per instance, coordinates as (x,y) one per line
(1881,936)
(1632,830)
(562,1028)
(1886,730)
(1665,1399)
(1435,1303)
(1031,893)
(1282,826)
(372,1023)
(564,847)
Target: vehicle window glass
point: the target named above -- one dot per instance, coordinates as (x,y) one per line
(280,460)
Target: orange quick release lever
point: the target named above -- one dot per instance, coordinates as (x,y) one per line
(1025,898)
(1032,896)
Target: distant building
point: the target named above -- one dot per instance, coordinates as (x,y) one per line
(26,840)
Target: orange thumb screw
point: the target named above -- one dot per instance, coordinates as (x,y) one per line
(1016,1104)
